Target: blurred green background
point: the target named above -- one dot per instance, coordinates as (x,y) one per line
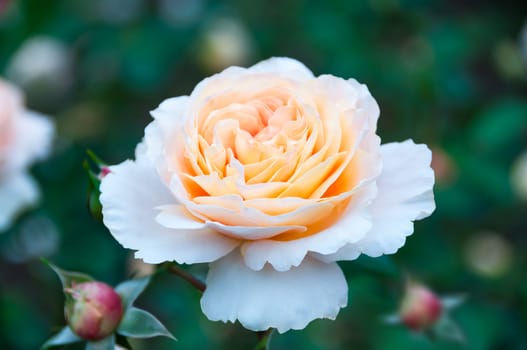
(452,74)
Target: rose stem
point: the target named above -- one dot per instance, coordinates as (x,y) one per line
(264,337)
(187,277)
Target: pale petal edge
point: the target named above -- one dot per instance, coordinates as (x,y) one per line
(130,196)
(405,194)
(265,299)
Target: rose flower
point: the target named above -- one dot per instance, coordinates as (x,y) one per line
(25,136)
(271,175)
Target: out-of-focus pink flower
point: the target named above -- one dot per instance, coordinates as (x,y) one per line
(25,136)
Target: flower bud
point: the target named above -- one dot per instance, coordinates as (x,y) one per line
(104,171)
(95,311)
(420,308)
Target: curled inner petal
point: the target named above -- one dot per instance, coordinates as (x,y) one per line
(249,153)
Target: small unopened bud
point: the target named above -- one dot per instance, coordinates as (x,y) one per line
(96,310)
(420,308)
(104,171)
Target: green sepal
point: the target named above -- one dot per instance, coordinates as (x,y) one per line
(93,177)
(107,343)
(98,161)
(68,278)
(393,318)
(450,302)
(131,289)
(94,182)
(94,192)
(65,336)
(138,323)
(446,329)
(94,205)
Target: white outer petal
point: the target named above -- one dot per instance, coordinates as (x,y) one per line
(170,110)
(169,118)
(354,223)
(351,95)
(268,298)
(366,103)
(130,194)
(405,194)
(17,191)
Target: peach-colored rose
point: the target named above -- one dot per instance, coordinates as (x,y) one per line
(24,137)
(272,175)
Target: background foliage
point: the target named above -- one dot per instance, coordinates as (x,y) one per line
(451,74)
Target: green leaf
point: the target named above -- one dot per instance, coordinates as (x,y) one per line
(138,323)
(131,289)
(67,278)
(107,343)
(65,336)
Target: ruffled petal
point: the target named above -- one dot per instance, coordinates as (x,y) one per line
(366,103)
(17,191)
(268,298)
(405,194)
(160,134)
(130,195)
(170,113)
(353,224)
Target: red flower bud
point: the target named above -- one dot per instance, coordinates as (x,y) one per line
(96,310)
(420,308)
